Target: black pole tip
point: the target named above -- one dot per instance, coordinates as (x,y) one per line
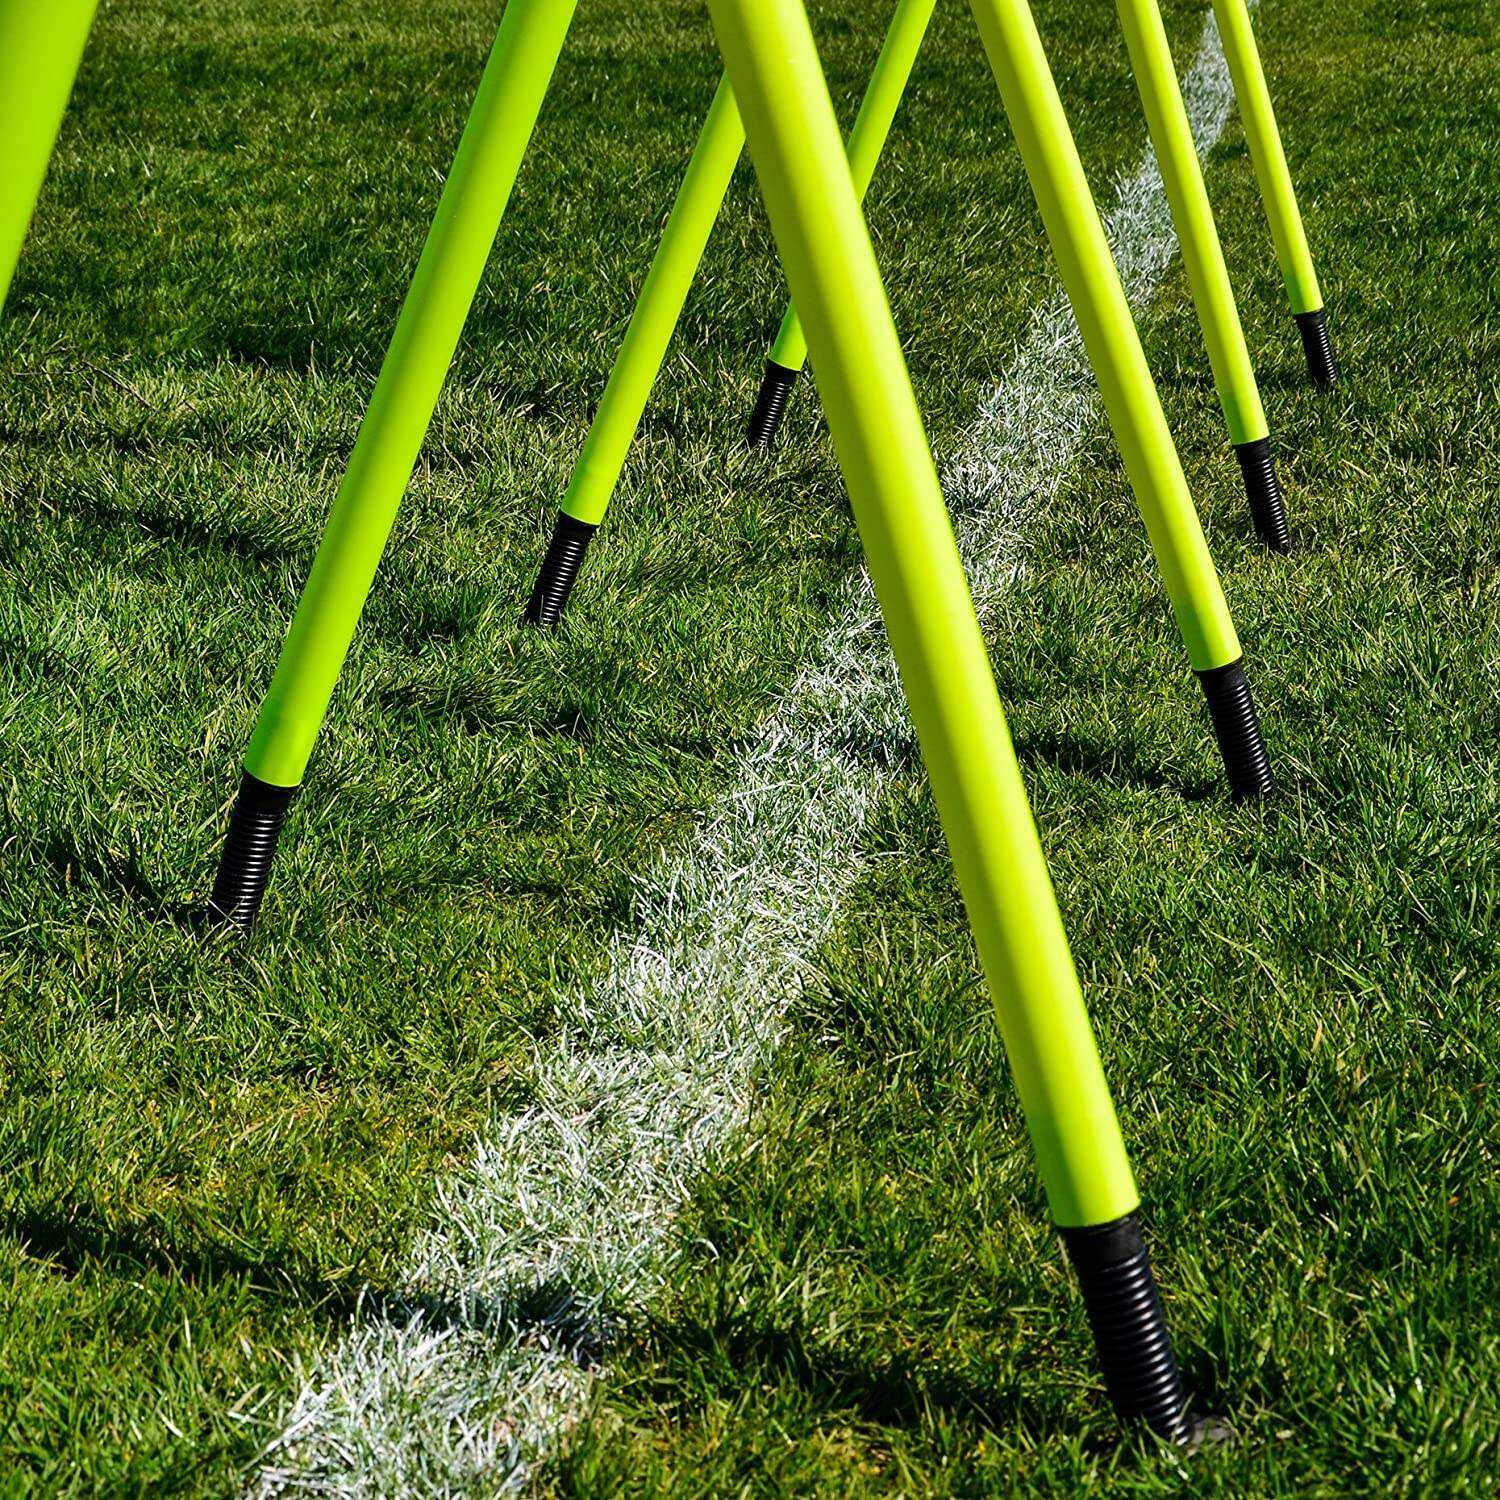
(1130,1327)
(1322,367)
(249,849)
(770,405)
(1263,490)
(1237,728)
(559,571)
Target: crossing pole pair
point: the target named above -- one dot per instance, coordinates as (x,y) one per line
(872,127)
(913,561)
(1093,285)
(659,306)
(1208,277)
(1088,273)
(41,46)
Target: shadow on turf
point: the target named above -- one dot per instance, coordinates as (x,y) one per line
(265,544)
(70,1244)
(76,861)
(899,1392)
(903,1392)
(1114,765)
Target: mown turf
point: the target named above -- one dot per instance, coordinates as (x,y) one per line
(202,1162)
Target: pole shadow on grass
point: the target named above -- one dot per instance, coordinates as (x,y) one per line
(895,1392)
(1287,375)
(80,860)
(94,519)
(264,542)
(905,1392)
(71,1244)
(1118,764)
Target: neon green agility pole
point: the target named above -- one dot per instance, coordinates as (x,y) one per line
(41,46)
(473,200)
(1140,426)
(652,324)
(872,125)
(1203,259)
(661,300)
(1275,179)
(945,672)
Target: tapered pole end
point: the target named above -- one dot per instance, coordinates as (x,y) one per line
(1317,345)
(1263,490)
(1237,728)
(559,571)
(255,824)
(1130,1327)
(770,405)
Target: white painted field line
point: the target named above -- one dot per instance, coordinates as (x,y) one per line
(566,1212)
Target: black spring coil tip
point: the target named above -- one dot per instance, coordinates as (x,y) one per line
(260,809)
(559,571)
(1237,729)
(770,405)
(1263,490)
(1129,1326)
(1322,367)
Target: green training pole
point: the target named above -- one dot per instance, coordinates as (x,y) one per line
(1271,172)
(468,215)
(945,672)
(652,324)
(1140,426)
(1203,258)
(872,125)
(41,46)
(662,297)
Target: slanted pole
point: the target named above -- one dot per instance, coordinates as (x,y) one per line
(657,309)
(1276,192)
(41,46)
(1093,285)
(872,126)
(1203,259)
(945,671)
(442,290)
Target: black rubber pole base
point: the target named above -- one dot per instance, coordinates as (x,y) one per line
(1238,731)
(770,405)
(249,848)
(1129,1326)
(1263,490)
(1322,367)
(570,540)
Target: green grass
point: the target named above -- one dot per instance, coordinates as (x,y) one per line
(202,1162)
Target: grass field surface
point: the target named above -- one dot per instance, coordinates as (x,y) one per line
(215,1171)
